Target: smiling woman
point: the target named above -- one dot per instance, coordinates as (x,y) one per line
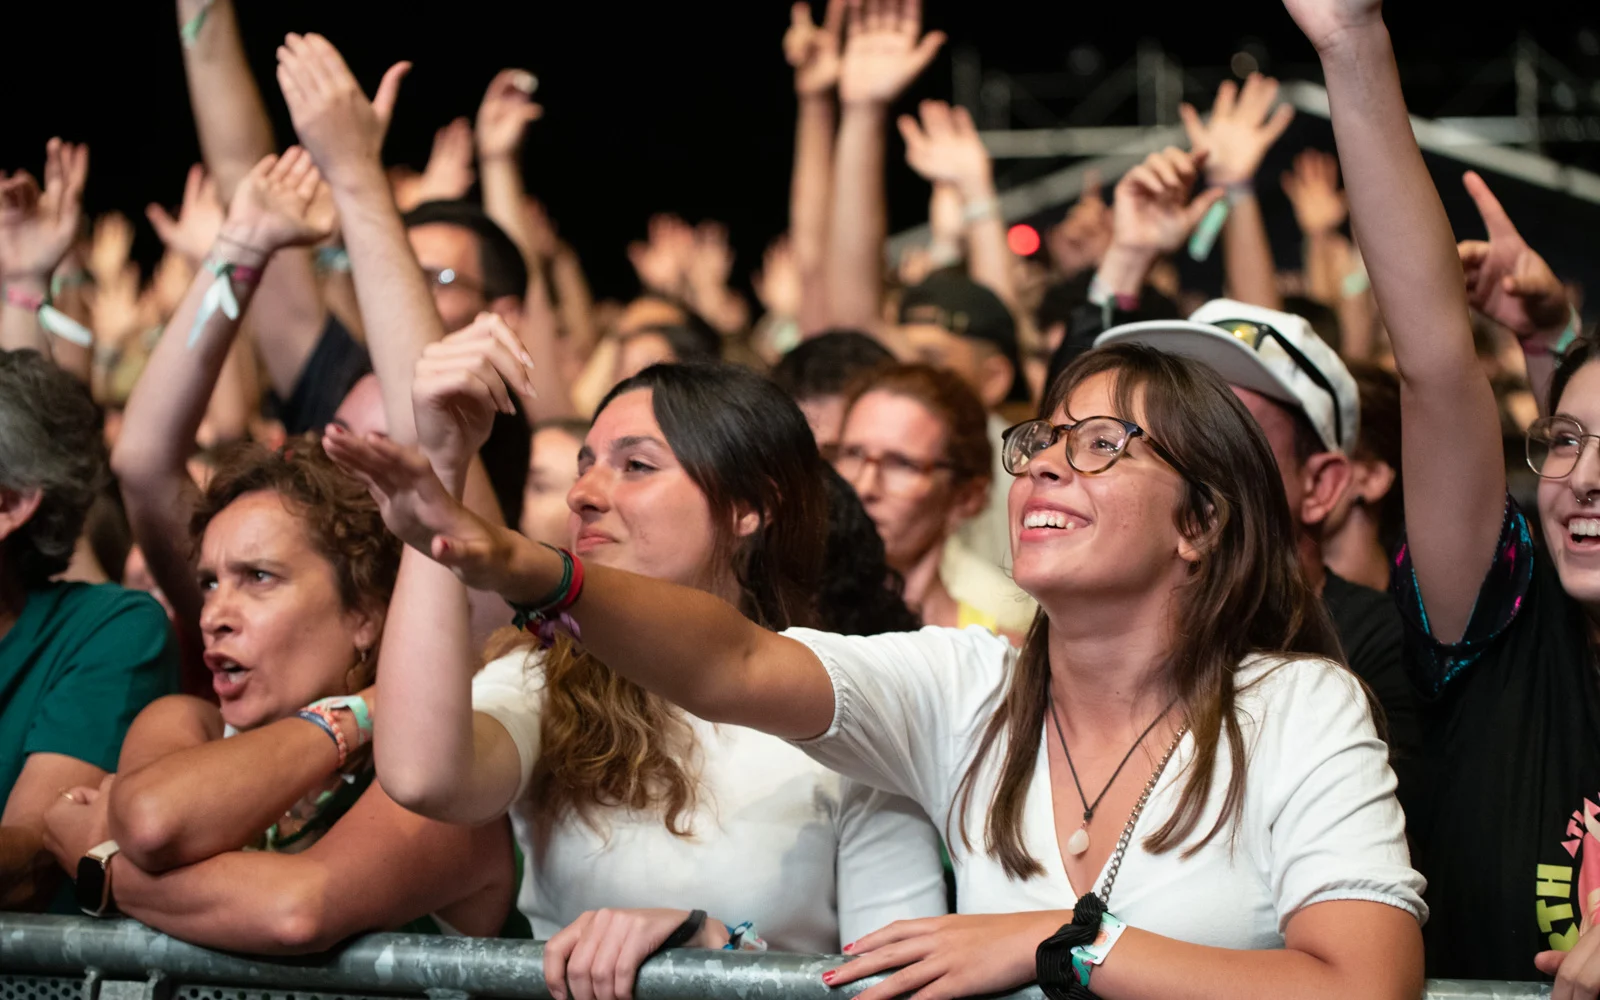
(1176,731)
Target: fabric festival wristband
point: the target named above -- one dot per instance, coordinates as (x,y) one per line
(1086,956)
(323,719)
(220,295)
(190,32)
(22,300)
(356,706)
(59,323)
(333,259)
(1240,189)
(1206,233)
(980,210)
(744,938)
(1574,325)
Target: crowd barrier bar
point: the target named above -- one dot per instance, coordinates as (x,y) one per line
(76,958)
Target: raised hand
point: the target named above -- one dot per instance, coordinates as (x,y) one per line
(1507,280)
(1313,189)
(599,954)
(199,218)
(1243,126)
(945,148)
(110,246)
(418,508)
(884,50)
(332,116)
(711,261)
(1153,212)
(543,242)
(281,202)
(449,173)
(37,227)
(777,284)
(1324,22)
(1079,240)
(504,115)
(813,50)
(461,381)
(662,261)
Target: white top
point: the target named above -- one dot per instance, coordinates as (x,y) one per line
(1320,817)
(813,859)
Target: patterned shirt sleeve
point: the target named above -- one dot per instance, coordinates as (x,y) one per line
(1432,664)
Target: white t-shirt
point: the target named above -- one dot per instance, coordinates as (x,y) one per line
(812,858)
(1320,817)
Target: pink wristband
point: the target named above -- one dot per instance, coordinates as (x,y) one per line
(22,300)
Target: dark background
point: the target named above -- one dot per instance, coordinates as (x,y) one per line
(688,107)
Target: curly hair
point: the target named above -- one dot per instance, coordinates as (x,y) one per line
(50,440)
(943,394)
(340,517)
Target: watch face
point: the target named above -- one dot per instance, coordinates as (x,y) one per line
(91,886)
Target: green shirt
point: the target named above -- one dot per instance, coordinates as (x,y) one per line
(78,665)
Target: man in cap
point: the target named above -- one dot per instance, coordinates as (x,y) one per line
(1308,405)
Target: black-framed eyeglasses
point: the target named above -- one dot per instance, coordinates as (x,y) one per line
(1555,444)
(449,277)
(901,474)
(1093,445)
(1253,334)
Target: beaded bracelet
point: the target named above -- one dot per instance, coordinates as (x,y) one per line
(323,719)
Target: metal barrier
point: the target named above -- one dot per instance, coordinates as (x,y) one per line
(74,958)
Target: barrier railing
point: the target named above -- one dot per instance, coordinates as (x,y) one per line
(75,958)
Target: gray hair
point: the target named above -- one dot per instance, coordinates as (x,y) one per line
(51,441)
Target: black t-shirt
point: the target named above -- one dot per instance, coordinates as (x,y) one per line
(1501,808)
(336,364)
(1372,634)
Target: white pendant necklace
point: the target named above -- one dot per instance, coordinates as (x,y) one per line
(1078,843)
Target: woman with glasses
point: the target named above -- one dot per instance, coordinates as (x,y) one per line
(1501,631)
(1175,748)
(915,445)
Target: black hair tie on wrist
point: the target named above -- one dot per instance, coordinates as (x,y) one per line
(691,926)
(1053,958)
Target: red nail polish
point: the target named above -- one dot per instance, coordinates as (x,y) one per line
(849,947)
(827,977)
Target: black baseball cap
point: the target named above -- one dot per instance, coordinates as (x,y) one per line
(960,305)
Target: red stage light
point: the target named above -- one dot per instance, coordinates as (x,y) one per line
(1023,240)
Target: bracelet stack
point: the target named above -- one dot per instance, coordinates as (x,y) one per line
(544,617)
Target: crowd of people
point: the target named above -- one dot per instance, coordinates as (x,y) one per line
(990,620)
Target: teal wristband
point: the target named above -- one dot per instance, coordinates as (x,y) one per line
(1086,956)
(357,707)
(1570,334)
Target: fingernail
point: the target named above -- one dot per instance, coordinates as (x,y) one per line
(849,947)
(827,977)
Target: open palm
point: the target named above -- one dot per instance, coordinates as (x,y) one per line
(884,50)
(281,202)
(37,226)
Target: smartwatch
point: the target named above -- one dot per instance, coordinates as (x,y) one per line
(94,879)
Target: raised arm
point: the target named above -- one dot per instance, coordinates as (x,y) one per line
(344,132)
(433,753)
(280,203)
(1455,495)
(36,231)
(1242,127)
(235,133)
(1510,283)
(503,117)
(1154,210)
(813,51)
(945,149)
(884,51)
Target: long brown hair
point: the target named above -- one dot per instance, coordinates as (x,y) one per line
(1247,594)
(605,741)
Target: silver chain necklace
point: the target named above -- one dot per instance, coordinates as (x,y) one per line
(1133,818)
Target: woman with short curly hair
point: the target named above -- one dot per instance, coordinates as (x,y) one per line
(254,824)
